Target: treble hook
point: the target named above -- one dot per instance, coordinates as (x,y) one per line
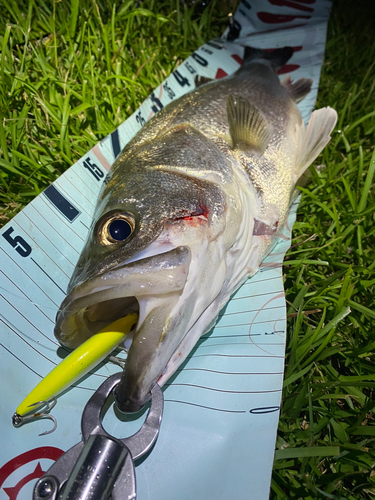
(18,420)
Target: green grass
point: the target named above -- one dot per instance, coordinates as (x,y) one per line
(325,445)
(70,73)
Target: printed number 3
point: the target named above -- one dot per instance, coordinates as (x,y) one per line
(18,243)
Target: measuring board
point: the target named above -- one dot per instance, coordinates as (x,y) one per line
(221,409)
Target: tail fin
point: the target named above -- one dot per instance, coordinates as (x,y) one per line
(312,139)
(278,57)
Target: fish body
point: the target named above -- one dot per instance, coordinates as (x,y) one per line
(188,211)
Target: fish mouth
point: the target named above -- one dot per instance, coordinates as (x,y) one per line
(152,287)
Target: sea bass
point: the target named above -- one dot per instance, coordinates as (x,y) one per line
(188,212)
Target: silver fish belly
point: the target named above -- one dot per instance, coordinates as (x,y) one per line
(188,212)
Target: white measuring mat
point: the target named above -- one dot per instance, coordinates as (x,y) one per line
(221,412)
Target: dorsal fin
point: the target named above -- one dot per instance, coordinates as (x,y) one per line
(299,89)
(278,57)
(247,127)
(313,138)
(201,80)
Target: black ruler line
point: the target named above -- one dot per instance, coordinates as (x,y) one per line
(45,272)
(257,295)
(20,360)
(270,268)
(233,356)
(41,249)
(26,342)
(250,311)
(251,323)
(58,215)
(227,373)
(249,344)
(35,283)
(80,192)
(41,376)
(30,323)
(115,139)
(81,179)
(27,298)
(230,336)
(247,283)
(49,241)
(21,338)
(76,201)
(202,406)
(90,176)
(222,390)
(62,204)
(269,343)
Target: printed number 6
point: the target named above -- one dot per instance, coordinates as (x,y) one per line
(18,243)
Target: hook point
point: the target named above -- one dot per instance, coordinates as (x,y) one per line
(18,420)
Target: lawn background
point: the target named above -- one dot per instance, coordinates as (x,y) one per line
(71,72)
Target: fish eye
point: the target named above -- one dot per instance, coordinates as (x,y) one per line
(114,228)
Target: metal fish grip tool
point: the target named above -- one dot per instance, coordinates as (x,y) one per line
(101,466)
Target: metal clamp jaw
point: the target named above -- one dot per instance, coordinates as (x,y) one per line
(101,465)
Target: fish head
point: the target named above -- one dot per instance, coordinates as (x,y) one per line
(155,247)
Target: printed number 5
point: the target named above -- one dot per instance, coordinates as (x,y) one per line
(18,243)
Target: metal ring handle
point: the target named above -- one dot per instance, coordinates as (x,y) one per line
(141,441)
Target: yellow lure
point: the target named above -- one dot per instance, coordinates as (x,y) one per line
(78,363)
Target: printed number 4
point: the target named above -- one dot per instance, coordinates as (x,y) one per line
(93,169)
(17,242)
(181,79)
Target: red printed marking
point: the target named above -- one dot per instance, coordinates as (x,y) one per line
(100,157)
(282,294)
(288,68)
(275,327)
(293,5)
(295,49)
(237,58)
(273,265)
(279,296)
(268,18)
(279,29)
(36,454)
(13,491)
(220,73)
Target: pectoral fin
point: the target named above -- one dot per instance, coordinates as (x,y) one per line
(312,139)
(247,127)
(299,89)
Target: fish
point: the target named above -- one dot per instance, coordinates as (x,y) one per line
(190,208)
